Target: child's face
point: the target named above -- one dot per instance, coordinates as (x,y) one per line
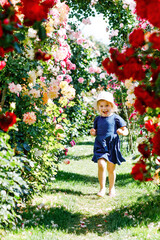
(105,108)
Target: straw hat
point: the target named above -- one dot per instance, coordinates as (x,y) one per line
(105,96)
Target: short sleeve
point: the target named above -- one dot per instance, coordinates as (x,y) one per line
(95,122)
(120,122)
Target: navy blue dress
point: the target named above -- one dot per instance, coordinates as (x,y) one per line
(107,143)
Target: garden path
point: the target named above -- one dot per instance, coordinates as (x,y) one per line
(70,209)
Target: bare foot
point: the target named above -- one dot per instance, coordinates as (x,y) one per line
(101,193)
(112,192)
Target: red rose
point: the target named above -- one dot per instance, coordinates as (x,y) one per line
(120,73)
(153,12)
(1,52)
(139,172)
(155,40)
(141,8)
(49,3)
(1,30)
(7,120)
(156,142)
(129,52)
(133,68)
(136,38)
(2,64)
(46,56)
(9,49)
(108,65)
(113,52)
(139,106)
(144,150)
(35,10)
(39,55)
(150,126)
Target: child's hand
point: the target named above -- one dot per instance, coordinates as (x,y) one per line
(122,131)
(93,132)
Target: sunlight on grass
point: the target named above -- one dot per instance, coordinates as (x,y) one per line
(70,208)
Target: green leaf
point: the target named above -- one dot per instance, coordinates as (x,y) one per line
(136,156)
(20,36)
(42,33)
(59,131)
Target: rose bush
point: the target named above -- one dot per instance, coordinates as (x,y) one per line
(32,94)
(138,68)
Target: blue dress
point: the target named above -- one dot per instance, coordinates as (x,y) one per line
(107,143)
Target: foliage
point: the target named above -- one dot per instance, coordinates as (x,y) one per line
(138,68)
(116,14)
(28,81)
(13,187)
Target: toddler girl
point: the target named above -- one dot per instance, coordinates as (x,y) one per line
(107,153)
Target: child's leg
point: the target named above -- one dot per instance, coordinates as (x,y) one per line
(102,176)
(111,177)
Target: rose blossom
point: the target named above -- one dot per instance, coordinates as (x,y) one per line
(102,75)
(72,143)
(139,172)
(68,78)
(91,70)
(144,150)
(60,77)
(7,120)
(66,161)
(86,21)
(136,38)
(29,118)
(98,70)
(2,64)
(93,80)
(80,41)
(15,88)
(32,33)
(84,112)
(80,80)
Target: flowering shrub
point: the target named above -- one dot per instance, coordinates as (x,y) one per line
(140,172)
(138,68)
(32,93)
(12,184)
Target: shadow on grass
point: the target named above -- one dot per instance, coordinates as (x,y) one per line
(67,191)
(80,157)
(69,176)
(85,143)
(121,180)
(146,211)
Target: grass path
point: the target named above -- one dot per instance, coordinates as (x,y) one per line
(71,210)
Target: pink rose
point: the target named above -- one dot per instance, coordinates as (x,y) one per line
(91,70)
(80,80)
(66,161)
(72,143)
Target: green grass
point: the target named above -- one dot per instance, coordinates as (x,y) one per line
(71,210)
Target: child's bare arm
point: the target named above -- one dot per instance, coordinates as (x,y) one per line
(93,132)
(122,131)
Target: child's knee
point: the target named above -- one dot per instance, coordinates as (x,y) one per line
(110,167)
(102,163)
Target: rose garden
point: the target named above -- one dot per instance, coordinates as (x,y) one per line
(50,74)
